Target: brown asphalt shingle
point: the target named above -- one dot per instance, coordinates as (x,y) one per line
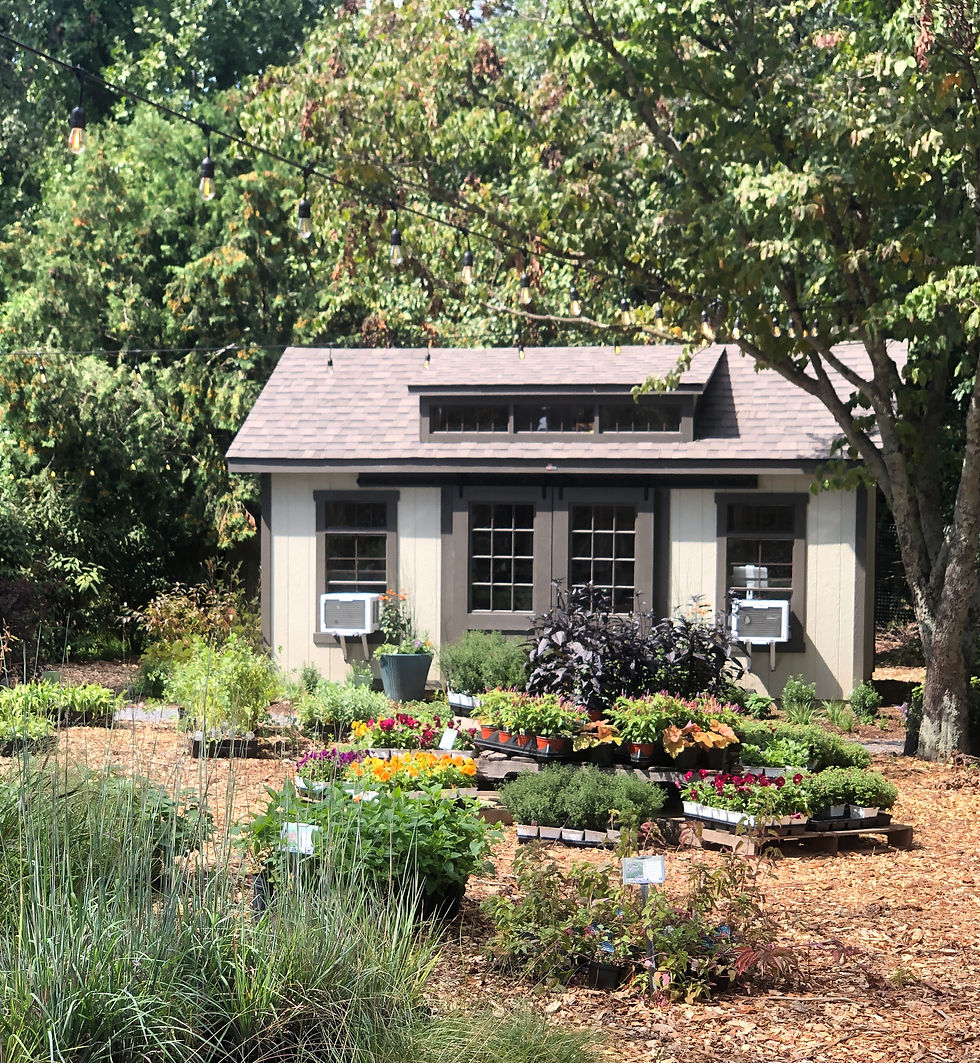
(364,409)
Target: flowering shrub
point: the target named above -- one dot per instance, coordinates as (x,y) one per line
(414,770)
(402,730)
(326,765)
(755,795)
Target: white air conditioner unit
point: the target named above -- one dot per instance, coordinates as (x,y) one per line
(349,614)
(757,621)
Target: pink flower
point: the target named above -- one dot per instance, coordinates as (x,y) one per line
(689,775)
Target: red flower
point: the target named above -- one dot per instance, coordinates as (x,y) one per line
(779,782)
(763,781)
(689,775)
(797,778)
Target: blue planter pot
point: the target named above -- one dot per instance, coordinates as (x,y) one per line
(403,675)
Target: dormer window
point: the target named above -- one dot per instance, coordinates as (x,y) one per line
(610,416)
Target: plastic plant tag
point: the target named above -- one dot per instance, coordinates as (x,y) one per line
(643,870)
(448,739)
(298,838)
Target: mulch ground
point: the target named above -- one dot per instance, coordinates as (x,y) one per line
(908,988)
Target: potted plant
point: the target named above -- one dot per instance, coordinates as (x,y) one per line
(749,798)
(497,713)
(552,720)
(405,656)
(830,791)
(864,792)
(601,739)
(872,794)
(641,722)
(320,769)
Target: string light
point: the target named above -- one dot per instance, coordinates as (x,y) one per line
(467,269)
(207,187)
(396,243)
(737,328)
(707,329)
(574,301)
(76,123)
(776,330)
(525,293)
(42,374)
(658,313)
(790,328)
(626,316)
(304,213)
(428,360)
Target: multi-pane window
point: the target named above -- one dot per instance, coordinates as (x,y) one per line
(356,547)
(501,557)
(632,417)
(603,551)
(554,417)
(760,548)
(469,418)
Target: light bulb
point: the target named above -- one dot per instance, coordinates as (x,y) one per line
(737,328)
(428,360)
(467,266)
(658,313)
(626,317)
(520,352)
(44,375)
(574,302)
(617,349)
(707,330)
(207,187)
(76,131)
(776,330)
(525,289)
(304,223)
(396,247)
(790,329)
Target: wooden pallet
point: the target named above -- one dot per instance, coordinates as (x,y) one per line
(898,835)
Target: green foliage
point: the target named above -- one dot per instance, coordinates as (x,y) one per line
(865,702)
(309,676)
(553,920)
(394,840)
(798,700)
(22,729)
(826,750)
(839,715)
(850,786)
(335,706)
(229,685)
(87,704)
(581,797)
(781,752)
(545,714)
(482,660)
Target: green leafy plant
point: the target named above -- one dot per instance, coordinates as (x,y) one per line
(839,715)
(498,707)
(782,752)
(334,707)
(227,687)
(548,715)
(482,660)
(552,920)
(865,702)
(851,786)
(826,750)
(798,700)
(89,703)
(581,797)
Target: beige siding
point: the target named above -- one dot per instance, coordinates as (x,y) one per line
(295,595)
(834,651)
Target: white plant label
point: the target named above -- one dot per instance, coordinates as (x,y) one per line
(643,870)
(448,739)
(298,838)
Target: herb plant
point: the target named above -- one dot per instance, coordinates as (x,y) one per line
(865,702)
(334,707)
(798,700)
(482,660)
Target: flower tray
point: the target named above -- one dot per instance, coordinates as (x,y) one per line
(883,819)
(512,749)
(726,818)
(589,839)
(199,746)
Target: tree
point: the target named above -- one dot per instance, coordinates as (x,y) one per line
(813,165)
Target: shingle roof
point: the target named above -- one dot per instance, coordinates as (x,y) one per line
(363,410)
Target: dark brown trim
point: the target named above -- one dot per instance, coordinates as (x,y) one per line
(320,500)
(797,600)
(864,562)
(661,551)
(266,582)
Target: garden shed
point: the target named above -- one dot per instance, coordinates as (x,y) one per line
(471,479)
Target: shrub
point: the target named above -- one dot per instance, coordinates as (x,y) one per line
(482,660)
(554,920)
(865,702)
(393,841)
(826,750)
(590,655)
(585,798)
(333,707)
(798,700)
(227,684)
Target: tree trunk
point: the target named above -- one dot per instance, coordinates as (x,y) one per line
(945,727)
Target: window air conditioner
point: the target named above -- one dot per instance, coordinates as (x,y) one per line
(349,614)
(758,621)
